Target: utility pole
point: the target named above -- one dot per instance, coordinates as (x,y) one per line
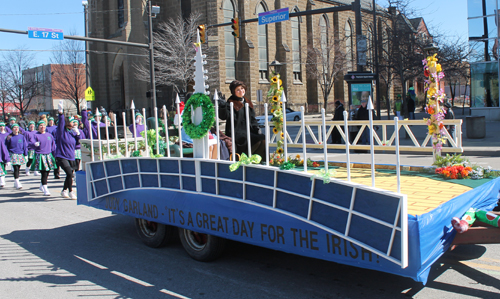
(375,57)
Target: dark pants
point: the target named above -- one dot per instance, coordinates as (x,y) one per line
(16,171)
(336,136)
(68,167)
(45,176)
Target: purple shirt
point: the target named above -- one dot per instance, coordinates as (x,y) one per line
(51,129)
(138,129)
(92,130)
(66,141)
(47,143)
(4,153)
(9,129)
(17,144)
(3,136)
(82,136)
(29,137)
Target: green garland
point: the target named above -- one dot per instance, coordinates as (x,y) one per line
(198,131)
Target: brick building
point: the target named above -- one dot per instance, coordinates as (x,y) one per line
(56,82)
(246,58)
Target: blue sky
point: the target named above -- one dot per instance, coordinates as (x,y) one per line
(448,16)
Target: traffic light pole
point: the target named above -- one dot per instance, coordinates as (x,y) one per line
(294,14)
(151,58)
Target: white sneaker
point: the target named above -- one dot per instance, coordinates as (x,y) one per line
(36,173)
(41,187)
(45,190)
(64,194)
(27,171)
(16,183)
(2,181)
(19,185)
(72,195)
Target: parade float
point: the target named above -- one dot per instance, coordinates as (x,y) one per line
(401,225)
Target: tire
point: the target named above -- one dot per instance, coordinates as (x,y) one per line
(296,118)
(154,234)
(201,247)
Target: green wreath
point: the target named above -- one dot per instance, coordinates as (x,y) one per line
(195,101)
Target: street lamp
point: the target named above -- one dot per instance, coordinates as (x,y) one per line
(431,49)
(276,65)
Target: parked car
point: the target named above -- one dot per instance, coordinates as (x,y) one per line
(291,115)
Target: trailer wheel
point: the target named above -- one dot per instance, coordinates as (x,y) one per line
(201,247)
(154,234)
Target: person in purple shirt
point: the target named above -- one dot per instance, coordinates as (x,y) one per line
(92,130)
(12,121)
(78,151)
(66,141)
(18,149)
(44,160)
(51,127)
(139,125)
(4,158)
(3,132)
(29,134)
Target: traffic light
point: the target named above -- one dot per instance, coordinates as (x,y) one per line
(236,27)
(203,33)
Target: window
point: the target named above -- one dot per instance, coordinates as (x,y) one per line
(296,66)
(349,46)
(121,14)
(229,40)
(262,47)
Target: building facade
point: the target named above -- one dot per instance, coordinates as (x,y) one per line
(246,58)
(483,42)
(55,83)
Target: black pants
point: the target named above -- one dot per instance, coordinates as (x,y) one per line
(45,176)
(77,167)
(68,167)
(16,171)
(29,163)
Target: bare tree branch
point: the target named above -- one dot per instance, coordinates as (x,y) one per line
(174,53)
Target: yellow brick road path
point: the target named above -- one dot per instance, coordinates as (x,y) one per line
(423,194)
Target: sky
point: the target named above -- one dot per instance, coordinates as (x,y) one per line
(447,16)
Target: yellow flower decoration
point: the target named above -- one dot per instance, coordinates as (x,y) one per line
(281,119)
(275,130)
(431,91)
(438,68)
(275,99)
(280,151)
(274,79)
(282,135)
(272,110)
(298,156)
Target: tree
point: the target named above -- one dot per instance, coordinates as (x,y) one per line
(19,82)
(402,48)
(69,72)
(173,53)
(3,91)
(453,56)
(326,60)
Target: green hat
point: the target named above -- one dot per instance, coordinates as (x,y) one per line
(40,122)
(74,120)
(2,124)
(14,125)
(51,118)
(91,118)
(12,118)
(138,114)
(31,123)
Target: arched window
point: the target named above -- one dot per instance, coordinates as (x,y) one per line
(262,46)
(349,46)
(296,66)
(229,40)
(323,32)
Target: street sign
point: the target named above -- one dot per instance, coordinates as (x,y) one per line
(274,16)
(89,94)
(44,33)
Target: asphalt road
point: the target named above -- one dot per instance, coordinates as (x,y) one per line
(52,248)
